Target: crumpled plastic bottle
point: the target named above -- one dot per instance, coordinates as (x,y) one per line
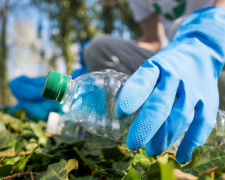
(92,98)
(65,124)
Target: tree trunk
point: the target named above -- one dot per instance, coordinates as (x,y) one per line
(107,15)
(66,48)
(83,19)
(65,28)
(3,55)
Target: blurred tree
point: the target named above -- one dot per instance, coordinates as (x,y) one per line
(74,21)
(127,19)
(116,16)
(107,15)
(69,23)
(4,11)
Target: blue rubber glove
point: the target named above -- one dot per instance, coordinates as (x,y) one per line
(176,90)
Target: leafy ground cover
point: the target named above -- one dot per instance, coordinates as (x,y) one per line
(27,152)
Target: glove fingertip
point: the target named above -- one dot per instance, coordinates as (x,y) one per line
(150,151)
(134,140)
(131,145)
(185,150)
(182,159)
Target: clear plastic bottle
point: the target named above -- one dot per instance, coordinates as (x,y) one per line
(65,124)
(92,100)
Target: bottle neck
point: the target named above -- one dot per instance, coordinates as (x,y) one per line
(70,91)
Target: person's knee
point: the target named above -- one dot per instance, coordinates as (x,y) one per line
(95,48)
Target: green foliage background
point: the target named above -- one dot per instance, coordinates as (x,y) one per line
(78,20)
(27,152)
(70,22)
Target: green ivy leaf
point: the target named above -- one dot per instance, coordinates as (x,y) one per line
(163,165)
(165,169)
(132,174)
(71,165)
(173,163)
(7,139)
(37,130)
(60,170)
(143,159)
(20,144)
(5,170)
(121,167)
(98,158)
(56,171)
(21,114)
(153,171)
(87,178)
(20,165)
(113,153)
(204,158)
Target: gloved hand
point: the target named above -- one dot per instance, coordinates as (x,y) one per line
(176,90)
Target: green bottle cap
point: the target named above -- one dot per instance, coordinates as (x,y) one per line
(55,86)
